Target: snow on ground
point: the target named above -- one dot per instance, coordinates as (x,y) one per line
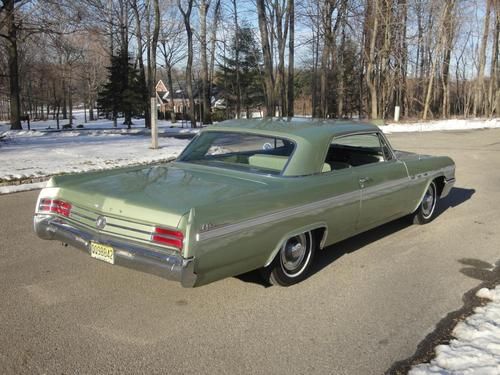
(103,125)
(54,153)
(32,156)
(453,124)
(476,347)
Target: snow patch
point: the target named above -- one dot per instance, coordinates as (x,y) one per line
(476,347)
(22,187)
(440,125)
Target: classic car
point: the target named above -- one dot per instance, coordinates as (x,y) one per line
(244,195)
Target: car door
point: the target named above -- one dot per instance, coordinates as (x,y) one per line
(383,179)
(337,196)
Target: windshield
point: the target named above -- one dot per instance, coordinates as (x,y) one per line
(242,151)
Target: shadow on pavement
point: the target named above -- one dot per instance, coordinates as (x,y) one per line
(479,270)
(456,197)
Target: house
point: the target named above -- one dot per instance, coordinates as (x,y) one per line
(178,101)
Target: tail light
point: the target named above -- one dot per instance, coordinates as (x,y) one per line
(168,237)
(55,206)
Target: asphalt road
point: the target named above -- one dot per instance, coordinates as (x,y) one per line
(371,300)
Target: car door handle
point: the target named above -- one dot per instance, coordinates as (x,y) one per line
(364,180)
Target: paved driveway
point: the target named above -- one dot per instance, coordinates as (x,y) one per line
(372,298)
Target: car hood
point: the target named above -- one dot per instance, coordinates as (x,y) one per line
(155,194)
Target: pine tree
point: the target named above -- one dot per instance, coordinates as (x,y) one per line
(250,82)
(123,91)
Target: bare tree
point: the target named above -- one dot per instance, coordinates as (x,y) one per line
(171,44)
(203,10)
(291,56)
(371,29)
(268,60)
(8,12)
(479,88)
(186,15)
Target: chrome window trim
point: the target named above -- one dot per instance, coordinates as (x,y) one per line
(377,133)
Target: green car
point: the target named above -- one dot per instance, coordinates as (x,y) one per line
(244,195)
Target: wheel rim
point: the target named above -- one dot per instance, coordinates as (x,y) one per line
(429,201)
(295,254)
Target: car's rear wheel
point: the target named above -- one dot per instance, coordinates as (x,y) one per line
(293,261)
(426,209)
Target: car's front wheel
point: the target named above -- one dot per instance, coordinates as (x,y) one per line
(426,209)
(293,261)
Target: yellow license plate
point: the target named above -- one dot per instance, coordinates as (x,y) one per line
(102,252)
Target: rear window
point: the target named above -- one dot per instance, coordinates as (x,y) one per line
(242,151)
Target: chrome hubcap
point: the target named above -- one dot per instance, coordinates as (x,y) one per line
(293,252)
(429,201)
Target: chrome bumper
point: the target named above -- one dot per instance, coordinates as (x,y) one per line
(136,256)
(448,184)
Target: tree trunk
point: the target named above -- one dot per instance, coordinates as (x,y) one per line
(140,59)
(152,61)
(445,69)
(213,45)
(370,64)
(171,90)
(12,57)
(340,62)
(237,60)
(325,57)
(268,60)
(291,50)
(70,102)
(494,68)
(204,5)
(281,37)
(478,91)
(448,8)
(186,15)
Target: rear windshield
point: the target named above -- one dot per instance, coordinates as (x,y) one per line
(242,151)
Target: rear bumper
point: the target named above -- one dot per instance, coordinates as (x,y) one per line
(448,184)
(131,255)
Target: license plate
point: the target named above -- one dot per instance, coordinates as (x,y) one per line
(102,252)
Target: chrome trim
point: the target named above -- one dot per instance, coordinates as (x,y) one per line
(328,203)
(448,185)
(73,213)
(128,228)
(128,254)
(381,134)
(113,216)
(322,205)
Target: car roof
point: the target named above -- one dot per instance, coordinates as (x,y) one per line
(311,136)
(297,127)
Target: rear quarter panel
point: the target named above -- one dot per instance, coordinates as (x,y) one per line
(260,225)
(423,169)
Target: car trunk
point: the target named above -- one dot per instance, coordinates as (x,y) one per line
(137,199)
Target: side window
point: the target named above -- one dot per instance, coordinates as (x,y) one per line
(386,149)
(355,150)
